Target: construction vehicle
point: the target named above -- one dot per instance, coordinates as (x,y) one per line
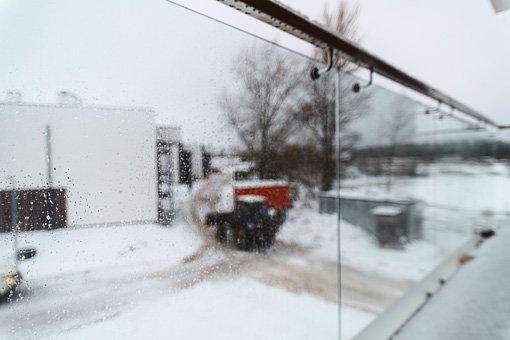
(260,208)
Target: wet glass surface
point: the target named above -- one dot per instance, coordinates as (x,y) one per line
(128,167)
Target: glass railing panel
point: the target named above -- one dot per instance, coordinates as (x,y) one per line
(185,184)
(169,185)
(419,183)
(386,245)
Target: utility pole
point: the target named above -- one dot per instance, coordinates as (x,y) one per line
(49,168)
(14,218)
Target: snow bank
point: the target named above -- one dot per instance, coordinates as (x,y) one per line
(318,233)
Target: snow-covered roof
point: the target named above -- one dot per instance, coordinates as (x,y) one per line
(384,210)
(251,198)
(259,184)
(75,107)
(168,133)
(370,196)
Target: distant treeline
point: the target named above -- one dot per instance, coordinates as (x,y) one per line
(465,149)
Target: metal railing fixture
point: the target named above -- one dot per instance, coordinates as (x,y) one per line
(292,22)
(393,319)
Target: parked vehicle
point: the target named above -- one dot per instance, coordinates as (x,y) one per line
(10,277)
(260,208)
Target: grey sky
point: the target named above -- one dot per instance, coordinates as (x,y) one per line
(135,53)
(153,53)
(462,47)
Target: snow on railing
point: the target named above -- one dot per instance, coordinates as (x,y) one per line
(393,319)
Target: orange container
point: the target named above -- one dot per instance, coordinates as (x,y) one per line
(276,192)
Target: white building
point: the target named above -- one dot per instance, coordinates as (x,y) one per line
(197,160)
(182,162)
(105,157)
(169,138)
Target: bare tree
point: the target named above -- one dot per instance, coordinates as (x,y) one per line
(317,111)
(397,128)
(344,22)
(259,108)
(317,114)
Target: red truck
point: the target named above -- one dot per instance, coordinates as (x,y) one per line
(260,208)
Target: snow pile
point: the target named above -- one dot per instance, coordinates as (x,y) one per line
(215,194)
(318,233)
(311,230)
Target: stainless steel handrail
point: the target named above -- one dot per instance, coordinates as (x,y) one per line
(292,22)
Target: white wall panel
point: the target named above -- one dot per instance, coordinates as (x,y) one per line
(104,157)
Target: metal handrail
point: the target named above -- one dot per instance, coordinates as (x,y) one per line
(292,22)
(391,321)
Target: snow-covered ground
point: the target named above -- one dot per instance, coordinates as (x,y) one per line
(65,251)
(126,281)
(459,197)
(358,249)
(129,281)
(136,281)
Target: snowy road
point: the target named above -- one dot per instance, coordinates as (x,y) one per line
(80,299)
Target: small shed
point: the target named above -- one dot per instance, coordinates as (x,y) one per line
(356,208)
(389,230)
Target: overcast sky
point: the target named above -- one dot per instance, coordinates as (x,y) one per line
(461,47)
(153,53)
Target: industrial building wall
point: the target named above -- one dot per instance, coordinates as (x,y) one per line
(105,158)
(196,160)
